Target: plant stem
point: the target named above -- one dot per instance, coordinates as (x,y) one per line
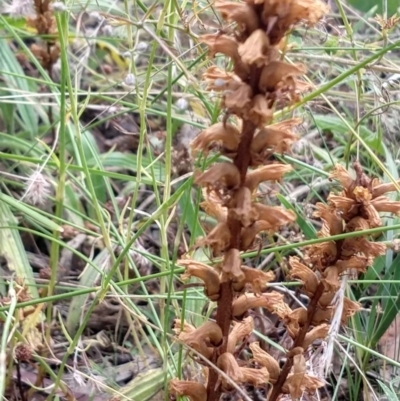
(224,307)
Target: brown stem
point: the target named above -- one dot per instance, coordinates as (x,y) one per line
(224,306)
(312,308)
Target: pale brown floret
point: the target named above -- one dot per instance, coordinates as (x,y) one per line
(194,390)
(281,15)
(352,246)
(260,112)
(271,172)
(278,73)
(228,364)
(232,265)
(276,137)
(277,217)
(226,134)
(238,101)
(331,279)
(384,204)
(264,359)
(255,377)
(186,328)
(218,238)
(256,278)
(357,224)
(241,13)
(350,308)
(256,49)
(241,207)
(272,301)
(330,217)
(224,44)
(205,273)
(346,206)
(304,274)
(223,174)
(379,188)
(214,209)
(240,331)
(317,333)
(320,316)
(343,176)
(298,381)
(207,335)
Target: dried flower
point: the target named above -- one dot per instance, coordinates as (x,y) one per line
(224,44)
(207,335)
(264,359)
(255,50)
(220,175)
(255,377)
(194,390)
(271,172)
(305,275)
(206,273)
(242,208)
(227,134)
(240,13)
(272,301)
(280,73)
(240,331)
(232,265)
(228,364)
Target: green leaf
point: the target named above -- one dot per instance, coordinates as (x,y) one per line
(29,211)
(342,133)
(390,394)
(12,248)
(366,5)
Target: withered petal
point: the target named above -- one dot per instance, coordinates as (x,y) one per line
(260,112)
(205,273)
(226,134)
(271,172)
(240,331)
(228,364)
(225,174)
(255,377)
(304,274)
(264,359)
(277,72)
(241,13)
(241,207)
(218,43)
(317,333)
(232,265)
(194,390)
(255,50)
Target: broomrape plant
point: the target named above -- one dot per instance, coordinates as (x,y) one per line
(259,84)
